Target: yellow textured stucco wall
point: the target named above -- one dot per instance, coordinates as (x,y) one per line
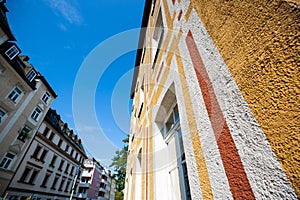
(259,41)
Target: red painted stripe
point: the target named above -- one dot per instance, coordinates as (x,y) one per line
(179,15)
(234,169)
(161,67)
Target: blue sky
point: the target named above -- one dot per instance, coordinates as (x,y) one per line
(59,35)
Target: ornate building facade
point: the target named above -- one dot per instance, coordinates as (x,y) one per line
(50,167)
(25,97)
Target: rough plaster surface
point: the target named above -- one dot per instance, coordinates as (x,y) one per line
(259,42)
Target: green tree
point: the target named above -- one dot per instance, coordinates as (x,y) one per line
(119,162)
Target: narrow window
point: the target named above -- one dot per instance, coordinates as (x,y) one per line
(61,184)
(61,165)
(31,75)
(36,114)
(45,181)
(72,170)
(12,52)
(33,176)
(46,97)
(7,160)
(51,136)
(42,158)
(59,143)
(158,36)
(36,152)
(53,187)
(67,168)
(52,164)
(72,151)
(15,95)
(45,133)
(67,148)
(25,175)
(67,186)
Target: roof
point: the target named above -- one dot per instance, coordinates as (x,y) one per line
(147,9)
(4,23)
(55,120)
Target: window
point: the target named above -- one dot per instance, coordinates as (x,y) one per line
(29,175)
(76,156)
(54,183)
(52,164)
(31,75)
(67,168)
(24,133)
(33,176)
(158,35)
(140,156)
(171,120)
(7,161)
(45,181)
(42,158)
(61,184)
(72,151)
(25,175)
(67,148)
(67,186)
(51,136)
(12,52)
(72,170)
(36,152)
(2,115)
(15,95)
(61,165)
(45,133)
(46,97)
(59,143)
(36,113)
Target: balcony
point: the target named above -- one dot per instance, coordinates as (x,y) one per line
(82,195)
(86,174)
(104,181)
(84,185)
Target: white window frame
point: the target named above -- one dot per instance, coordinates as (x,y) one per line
(46,97)
(3,115)
(31,75)
(7,161)
(12,52)
(14,95)
(37,112)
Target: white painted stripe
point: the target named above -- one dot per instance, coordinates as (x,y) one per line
(218,179)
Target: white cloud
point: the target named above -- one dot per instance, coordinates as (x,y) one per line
(67,10)
(87,128)
(62,27)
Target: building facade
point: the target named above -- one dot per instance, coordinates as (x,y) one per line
(25,97)
(50,167)
(96,182)
(215,93)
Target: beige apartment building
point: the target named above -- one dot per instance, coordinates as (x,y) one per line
(52,165)
(25,97)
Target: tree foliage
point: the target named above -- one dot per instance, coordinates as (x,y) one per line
(119,162)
